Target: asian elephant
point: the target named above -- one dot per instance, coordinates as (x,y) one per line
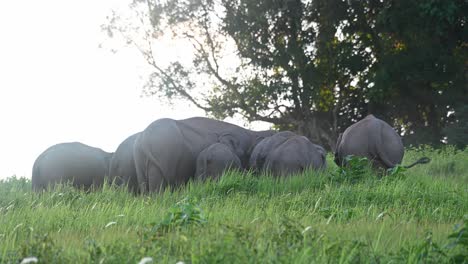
(214,160)
(122,169)
(166,151)
(82,165)
(374,139)
(264,147)
(295,155)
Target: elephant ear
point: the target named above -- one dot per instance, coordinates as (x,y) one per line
(321,151)
(257,140)
(229,140)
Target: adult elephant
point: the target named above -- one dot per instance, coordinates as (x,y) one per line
(214,160)
(265,146)
(122,169)
(240,140)
(295,155)
(82,165)
(374,139)
(166,151)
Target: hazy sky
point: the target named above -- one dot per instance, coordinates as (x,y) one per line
(57,85)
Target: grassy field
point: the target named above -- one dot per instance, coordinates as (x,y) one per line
(354,216)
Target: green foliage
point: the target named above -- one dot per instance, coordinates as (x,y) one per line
(459,240)
(457,131)
(313,66)
(43,248)
(355,169)
(183,213)
(315,217)
(397,171)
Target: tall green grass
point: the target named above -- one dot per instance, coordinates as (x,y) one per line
(415,216)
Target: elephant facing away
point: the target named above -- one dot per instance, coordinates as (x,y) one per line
(238,139)
(82,165)
(265,146)
(295,155)
(122,169)
(166,151)
(374,139)
(214,160)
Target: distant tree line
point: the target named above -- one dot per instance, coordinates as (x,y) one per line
(315,66)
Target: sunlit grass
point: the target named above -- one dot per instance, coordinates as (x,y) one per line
(315,217)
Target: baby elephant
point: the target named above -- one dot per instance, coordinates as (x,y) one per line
(264,147)
(214,160)
(294,156)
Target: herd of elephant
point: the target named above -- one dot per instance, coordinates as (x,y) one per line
(171,152)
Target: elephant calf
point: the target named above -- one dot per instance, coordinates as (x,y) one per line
(294,156)
(166,151)
(214,160)
(264,147)
(74,162)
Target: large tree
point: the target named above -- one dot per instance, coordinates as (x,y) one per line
(420,67)
(310,66)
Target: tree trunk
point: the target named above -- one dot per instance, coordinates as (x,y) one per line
(318,133)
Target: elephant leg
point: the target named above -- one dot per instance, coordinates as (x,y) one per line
(156,182)
(141,163)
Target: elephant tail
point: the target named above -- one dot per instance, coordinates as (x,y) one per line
(423,160)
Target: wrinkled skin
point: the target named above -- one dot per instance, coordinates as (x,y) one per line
(166,151)
(264,147)
(214,160)
(295,155)
(122,169)
(261,135)
(74,162)
(371,138)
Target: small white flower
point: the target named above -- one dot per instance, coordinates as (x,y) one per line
(255,220)
(180,262)
(380,216)
(110,224)
(146,260)
(29,260)
(306,229)
(17,226)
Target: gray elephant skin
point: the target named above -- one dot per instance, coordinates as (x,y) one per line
(122,169)
(374,139)
(82,165)
(166,151)
(213,161)
(265,146)
(295,155)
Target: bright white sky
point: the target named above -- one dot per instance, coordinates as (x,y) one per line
(57,85)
